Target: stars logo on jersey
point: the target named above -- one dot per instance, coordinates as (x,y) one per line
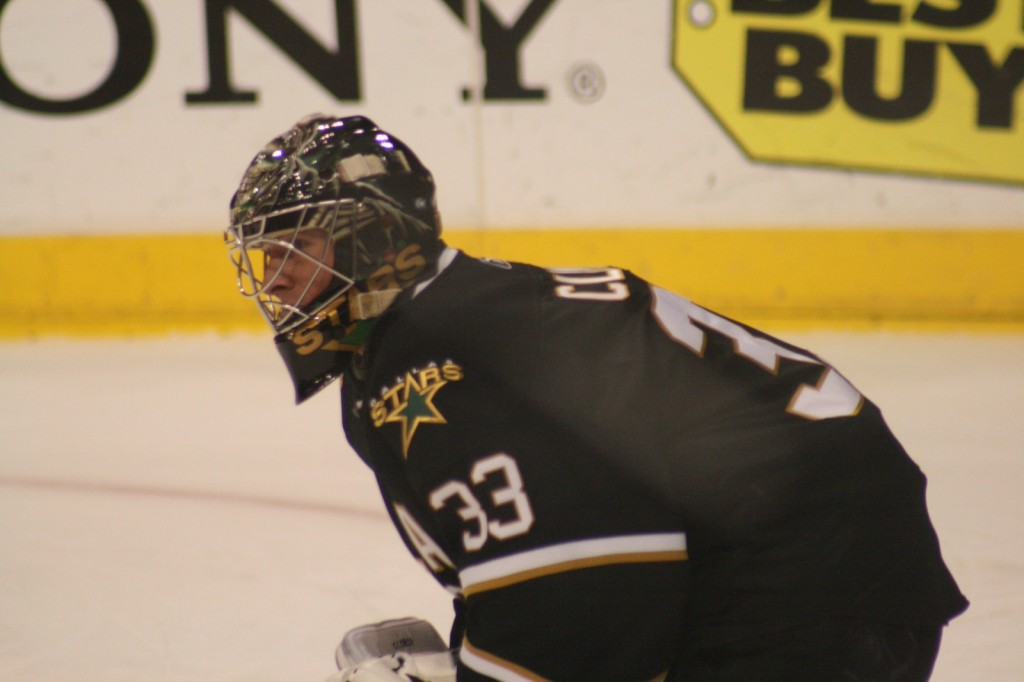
(409,402)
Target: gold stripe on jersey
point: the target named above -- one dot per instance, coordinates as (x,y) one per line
(495,667)
(572,556)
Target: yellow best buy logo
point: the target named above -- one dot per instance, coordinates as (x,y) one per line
(928,87)
(409,402)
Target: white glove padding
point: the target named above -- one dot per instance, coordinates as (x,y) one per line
(401,667)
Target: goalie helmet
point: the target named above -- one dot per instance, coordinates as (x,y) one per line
(331,221)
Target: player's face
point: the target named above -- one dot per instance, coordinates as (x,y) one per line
(297,276)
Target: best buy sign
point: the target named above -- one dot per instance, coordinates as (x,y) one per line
(915,86)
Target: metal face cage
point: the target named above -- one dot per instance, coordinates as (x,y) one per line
(297,261)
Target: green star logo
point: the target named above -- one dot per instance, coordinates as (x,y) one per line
(417,407)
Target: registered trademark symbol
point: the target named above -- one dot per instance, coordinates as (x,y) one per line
(702,13)
(586,82)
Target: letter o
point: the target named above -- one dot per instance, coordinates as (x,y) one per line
(135,48)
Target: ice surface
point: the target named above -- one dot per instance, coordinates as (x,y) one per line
(168,514)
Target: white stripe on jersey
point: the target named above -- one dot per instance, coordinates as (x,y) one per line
(570,556)
(443,261)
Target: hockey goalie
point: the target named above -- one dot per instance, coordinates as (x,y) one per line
(616,483)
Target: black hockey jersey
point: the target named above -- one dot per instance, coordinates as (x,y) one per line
(606,475)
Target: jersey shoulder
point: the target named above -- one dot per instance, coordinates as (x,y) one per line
(476,301)
(495,284)
(497,303)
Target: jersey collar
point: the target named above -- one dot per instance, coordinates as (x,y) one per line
(443,261)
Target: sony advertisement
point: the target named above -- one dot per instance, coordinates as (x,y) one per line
(127,116)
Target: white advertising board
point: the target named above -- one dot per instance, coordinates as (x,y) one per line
(138,116)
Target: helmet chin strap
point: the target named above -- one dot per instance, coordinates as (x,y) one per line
(370,304)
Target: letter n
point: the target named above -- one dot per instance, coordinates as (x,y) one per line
(337,72)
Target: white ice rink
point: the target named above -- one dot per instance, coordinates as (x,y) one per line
(167,513)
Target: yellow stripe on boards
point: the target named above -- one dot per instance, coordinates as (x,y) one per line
(910,278)
(918,279)
(119,285)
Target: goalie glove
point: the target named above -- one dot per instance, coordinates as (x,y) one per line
(401,667)
(410,635)
(399,650)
